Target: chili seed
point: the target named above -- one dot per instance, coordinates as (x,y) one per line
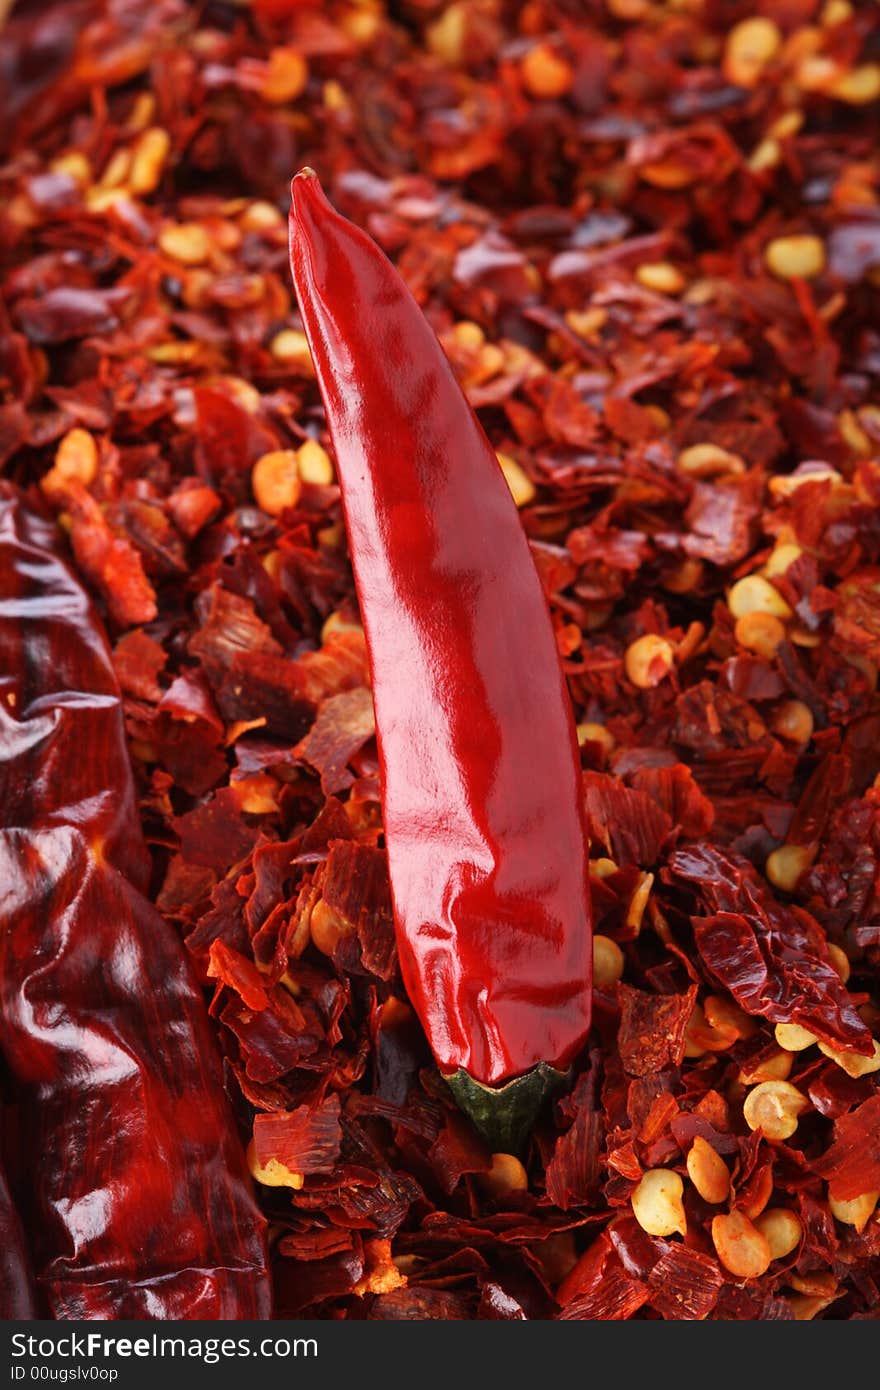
(859,87)
(545,72)
(754,594)
(261,216)
(506,1176)
(793,1037)
(795,257)
(781,557)
(76,458)
(657,1203)
(708,1172)
(774,1107)
(648,660)
(794,720)
(750,46)
(785,865)
(276,482)
(148,160)
(273,1173)
(661,277)
(782,1230)
(708,461)
(857,1211)
(740,1246)
(522,489)
(776,1067)
(608,962)
(75,164)
(286,76)
(327,928)
(292,349)
(596,733)
(761,633)
(853,1063)
(187,242)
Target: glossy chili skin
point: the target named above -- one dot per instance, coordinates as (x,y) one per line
(17,1299)
(142,1205)
(481,779)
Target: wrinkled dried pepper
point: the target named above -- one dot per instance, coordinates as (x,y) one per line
(481,778)
(142,1206)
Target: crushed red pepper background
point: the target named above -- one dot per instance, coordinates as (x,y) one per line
(648,235)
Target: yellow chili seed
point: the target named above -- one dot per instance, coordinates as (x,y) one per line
(327,928)
(708,1172)
(505,1176)
(795,257)
(148,160)
(782,1230)
(447,36)
(661,277)
(648,660)
(781,557)
(761,633)
(286,76)
(724,1015)
(657,1203)
(117,169)
(754,594)
(76,458)
(276,482)
(785,865)
(608,962)
(708,461)
(273,1173)
(75,164)
(853,1063)
(857,1211)
(596,733)
(858,87)
(774,1107)
(261,216)
(522,489)
(291,348)
(740,1246)
(314,463)
(776,1067)
(750,46)
(793,1037)
(187,242)
(794,720)
(545,72)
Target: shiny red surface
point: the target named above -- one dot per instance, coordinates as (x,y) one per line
(141,1203)
(479,758)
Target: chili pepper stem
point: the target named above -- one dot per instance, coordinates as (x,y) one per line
(505,1115)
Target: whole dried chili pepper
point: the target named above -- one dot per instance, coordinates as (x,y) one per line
(16,1291)
(481,779)
(143,1206)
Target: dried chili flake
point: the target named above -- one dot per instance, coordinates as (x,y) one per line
(770,957)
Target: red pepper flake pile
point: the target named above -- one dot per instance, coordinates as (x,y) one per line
(648,237)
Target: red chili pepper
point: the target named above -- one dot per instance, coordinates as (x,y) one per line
(16,1291)
(481,780)
(143,1207)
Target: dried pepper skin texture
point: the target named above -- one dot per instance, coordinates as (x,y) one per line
(142,1205)
(481,780)
(17,1299)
